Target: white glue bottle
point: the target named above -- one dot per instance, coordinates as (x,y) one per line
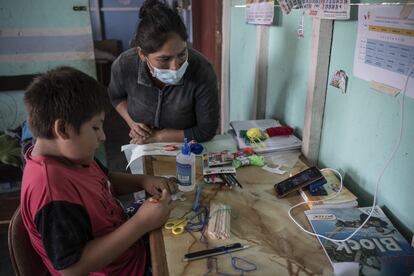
(185,168)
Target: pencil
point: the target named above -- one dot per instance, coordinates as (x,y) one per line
(226,180)
(236,181)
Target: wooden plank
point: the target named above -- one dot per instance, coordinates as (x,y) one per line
(156,241)
(158,255)
(98,21)
(260,86)
(225,68)
(317,85)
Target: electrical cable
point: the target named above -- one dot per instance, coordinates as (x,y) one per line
(397,146)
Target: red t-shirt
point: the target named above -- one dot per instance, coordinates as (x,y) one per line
(64,207)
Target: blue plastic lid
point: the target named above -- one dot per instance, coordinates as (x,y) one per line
(196,148)
(185,148)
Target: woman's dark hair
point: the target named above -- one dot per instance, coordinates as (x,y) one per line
(157,23)
(63,93)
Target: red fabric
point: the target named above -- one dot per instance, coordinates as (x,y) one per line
(46,180)
(278,131)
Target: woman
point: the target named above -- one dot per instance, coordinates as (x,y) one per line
(163,89)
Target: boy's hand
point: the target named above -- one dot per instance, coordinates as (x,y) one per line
(155,214)
(155,184)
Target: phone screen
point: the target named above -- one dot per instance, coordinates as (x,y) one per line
(297,181)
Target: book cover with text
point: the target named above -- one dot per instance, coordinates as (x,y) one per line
(377,249)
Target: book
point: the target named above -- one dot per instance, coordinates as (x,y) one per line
(219,158)
(377,249)
(271,144)
(345,199)
(216,169)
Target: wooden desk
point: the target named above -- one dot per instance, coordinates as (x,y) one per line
(259,219)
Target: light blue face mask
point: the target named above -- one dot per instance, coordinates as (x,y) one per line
(168,76)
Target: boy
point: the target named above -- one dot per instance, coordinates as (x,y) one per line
(74,222)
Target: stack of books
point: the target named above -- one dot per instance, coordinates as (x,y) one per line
(377,249)
(345,199)
(271,144)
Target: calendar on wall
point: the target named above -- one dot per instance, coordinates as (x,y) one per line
(260,12)
(324,9)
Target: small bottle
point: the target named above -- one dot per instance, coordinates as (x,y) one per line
(185,163)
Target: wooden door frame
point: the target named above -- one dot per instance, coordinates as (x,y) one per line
(207,39)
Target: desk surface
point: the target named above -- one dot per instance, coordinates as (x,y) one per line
(258,219)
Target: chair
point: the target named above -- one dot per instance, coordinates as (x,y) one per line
(25,260)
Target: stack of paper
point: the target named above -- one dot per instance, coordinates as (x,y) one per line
(272,144)
(345,199)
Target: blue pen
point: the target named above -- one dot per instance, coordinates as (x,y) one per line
(196,197)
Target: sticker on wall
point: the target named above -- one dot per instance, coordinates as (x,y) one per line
(339,80)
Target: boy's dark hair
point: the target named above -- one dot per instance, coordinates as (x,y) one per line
(63,93)
(157,23)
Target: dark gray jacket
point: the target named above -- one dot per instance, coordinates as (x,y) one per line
(190,105)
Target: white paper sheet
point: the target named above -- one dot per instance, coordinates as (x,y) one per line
(134,152)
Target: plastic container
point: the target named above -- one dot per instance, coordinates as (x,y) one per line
(185,168)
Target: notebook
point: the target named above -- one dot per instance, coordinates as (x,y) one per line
(272,144)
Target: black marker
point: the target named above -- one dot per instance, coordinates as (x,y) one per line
(214,251)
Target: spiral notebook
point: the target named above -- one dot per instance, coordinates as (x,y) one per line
(272,144)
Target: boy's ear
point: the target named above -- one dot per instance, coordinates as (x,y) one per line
(60,129)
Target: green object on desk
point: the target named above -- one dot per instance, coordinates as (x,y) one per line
(256,160)
(252,160)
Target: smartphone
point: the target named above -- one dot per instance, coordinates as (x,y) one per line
(298,181)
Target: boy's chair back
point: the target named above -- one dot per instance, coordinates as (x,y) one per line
(25,260)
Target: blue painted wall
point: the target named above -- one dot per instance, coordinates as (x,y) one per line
(242,64)
(288,63)
(288,70)
(360,128)
(36,36)
(120,25)
(51,34)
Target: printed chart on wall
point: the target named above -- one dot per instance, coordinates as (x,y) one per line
(384,49)
(260,12)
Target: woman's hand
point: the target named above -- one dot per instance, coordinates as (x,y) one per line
(139,132)
(154,185)
(156,136)
(138,141)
